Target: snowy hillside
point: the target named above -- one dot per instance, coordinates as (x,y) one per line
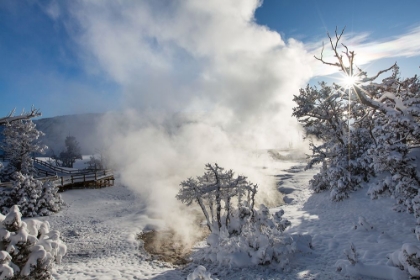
(83,127)
(100,229)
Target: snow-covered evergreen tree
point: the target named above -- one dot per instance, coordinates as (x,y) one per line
(22,254)
(20,144)
(35,198)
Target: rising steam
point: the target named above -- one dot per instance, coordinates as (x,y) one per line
(202,83)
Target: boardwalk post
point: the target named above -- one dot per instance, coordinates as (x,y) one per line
(72,179)
(62,181)
(84,180)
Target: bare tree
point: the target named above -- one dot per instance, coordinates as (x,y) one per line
(217,188)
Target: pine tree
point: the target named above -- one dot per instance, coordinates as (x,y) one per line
(22,254)
(72,152)
(34,197)
(20,144)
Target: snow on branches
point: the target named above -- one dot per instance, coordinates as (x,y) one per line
(326,115)
(217,187)
(364,130)
(20,143)
(24,116)
(407,258)
(27,254)
(35,198)
(240,234)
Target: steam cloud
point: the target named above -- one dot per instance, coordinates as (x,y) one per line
(202,82)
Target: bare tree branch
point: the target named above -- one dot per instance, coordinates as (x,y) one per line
(24,116)
(370,79)
(334,47)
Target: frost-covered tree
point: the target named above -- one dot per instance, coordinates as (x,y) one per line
(238,230)
(34,197)
(24,116)
(20,144)
(386,123)
(72,152)
(341,143)
(94,163)
(397,135)
(27,254)
(215,192)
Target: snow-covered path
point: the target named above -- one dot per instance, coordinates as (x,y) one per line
(100,226)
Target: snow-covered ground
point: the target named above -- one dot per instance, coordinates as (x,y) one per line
(78,164)
(100,226)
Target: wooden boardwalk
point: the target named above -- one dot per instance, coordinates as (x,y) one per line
(98,179)
(66,179)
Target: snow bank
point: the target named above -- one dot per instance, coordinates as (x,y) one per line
(200,273)
(407,258)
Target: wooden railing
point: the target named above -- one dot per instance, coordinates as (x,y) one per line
(60,169)
(85,178)
(95,180)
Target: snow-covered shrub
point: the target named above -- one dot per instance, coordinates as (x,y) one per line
(362,223)
(351,254)
(240,234)
(19,144)
(200,273)
(326,116)
(353,268)
(407,258)
(23,255)
(34,197)
(319,182)
(262,241)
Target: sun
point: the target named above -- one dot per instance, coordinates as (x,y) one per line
(349,81)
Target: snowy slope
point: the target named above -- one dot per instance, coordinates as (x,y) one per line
(99,227)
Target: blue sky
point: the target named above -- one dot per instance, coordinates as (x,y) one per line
(61,58)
